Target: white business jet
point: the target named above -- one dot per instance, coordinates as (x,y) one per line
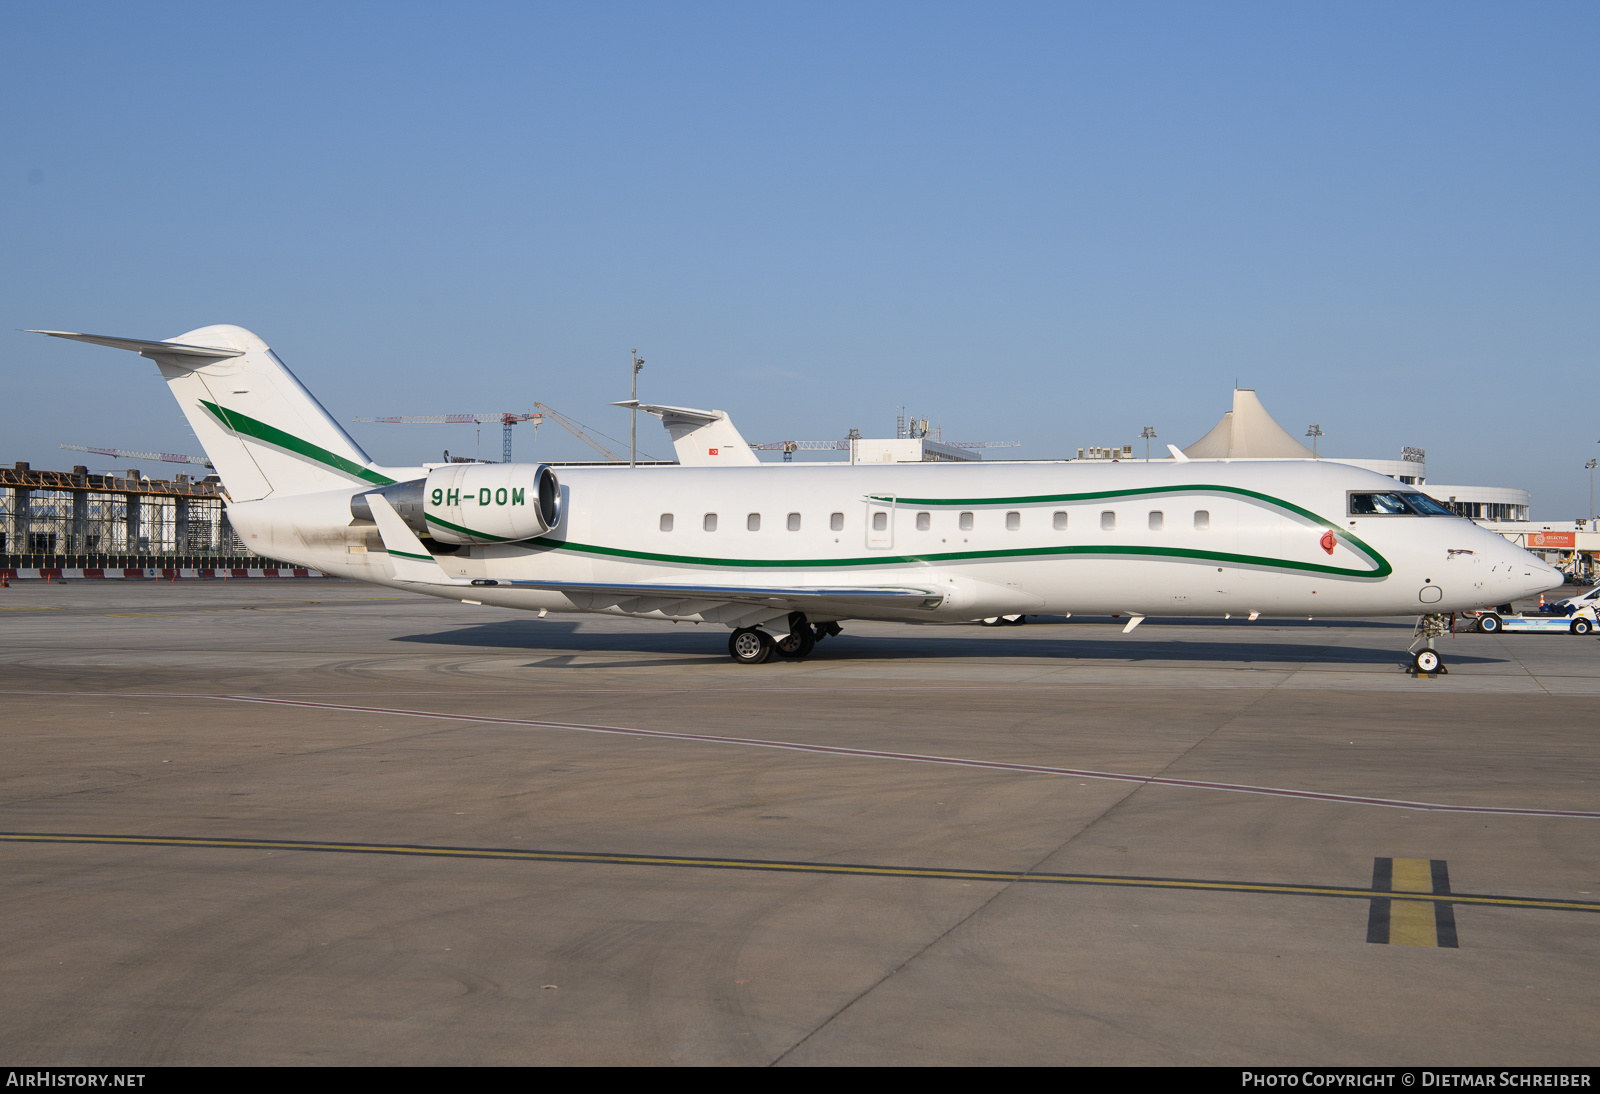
(798,548)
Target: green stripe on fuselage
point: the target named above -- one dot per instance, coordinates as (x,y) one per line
(1381,568)
(1381,564)
(1177,554)
(464,530)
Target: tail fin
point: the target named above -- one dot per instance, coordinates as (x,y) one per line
(702,438)
(263,431)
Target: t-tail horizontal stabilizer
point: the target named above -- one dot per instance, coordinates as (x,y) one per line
(410,559)
(262,430)
(139,345)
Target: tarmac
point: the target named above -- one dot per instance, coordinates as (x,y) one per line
(281,822)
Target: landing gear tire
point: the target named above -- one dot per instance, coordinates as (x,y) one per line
(795,646)
(1581,626)
(1426,662)
(750,645)
(1489,623)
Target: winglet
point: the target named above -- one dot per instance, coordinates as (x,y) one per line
(410,559)
(1177,453)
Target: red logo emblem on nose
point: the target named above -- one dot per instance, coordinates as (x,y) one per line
(1328,541)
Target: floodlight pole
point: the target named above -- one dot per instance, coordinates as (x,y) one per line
(1314,432)
(1149,431)
(1590,467)
(633,412)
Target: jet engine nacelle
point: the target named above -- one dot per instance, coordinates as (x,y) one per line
(474,502)
(491,502)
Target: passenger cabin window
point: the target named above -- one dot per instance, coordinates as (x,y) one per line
(880,521)
(1202,520)
(1108,520)
(924,522)
(794,522)
(1013,521)
(836,522)
(711,522)
(1059,521)
(1158,520)
(666,522)
(753,522)
(966,522)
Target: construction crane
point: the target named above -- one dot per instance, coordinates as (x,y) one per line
(505,419)
(577,431)
(788,448)
(129,454)
(544,413)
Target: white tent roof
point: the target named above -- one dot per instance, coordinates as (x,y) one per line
(1247,432)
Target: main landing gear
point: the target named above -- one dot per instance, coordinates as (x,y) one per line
(754,646)
(1426,661)
(750,645)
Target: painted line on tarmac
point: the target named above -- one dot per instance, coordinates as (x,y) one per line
(1404,919)
(781,866)
(913,757)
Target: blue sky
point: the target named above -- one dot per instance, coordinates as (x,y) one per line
(1052,223)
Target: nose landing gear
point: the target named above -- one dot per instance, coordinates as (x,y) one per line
(1426,661)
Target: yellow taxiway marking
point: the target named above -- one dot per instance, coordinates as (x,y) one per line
(1412,904)
(1411,922)
(998,876)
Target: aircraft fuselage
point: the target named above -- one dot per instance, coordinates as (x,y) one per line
(1203,537)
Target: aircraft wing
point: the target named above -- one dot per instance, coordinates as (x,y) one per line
(775,596)
(413,563)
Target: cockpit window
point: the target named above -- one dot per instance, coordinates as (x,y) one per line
(1426,506)
(1410,503)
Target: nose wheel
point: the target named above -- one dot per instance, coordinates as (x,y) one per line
(1426,661)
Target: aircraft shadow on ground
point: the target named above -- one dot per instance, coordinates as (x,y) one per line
(565,640)
(1240,621)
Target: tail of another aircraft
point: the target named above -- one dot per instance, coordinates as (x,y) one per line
(263,431)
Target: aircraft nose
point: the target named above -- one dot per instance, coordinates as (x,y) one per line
(1538,577)
(1554,576)
(1528,575)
